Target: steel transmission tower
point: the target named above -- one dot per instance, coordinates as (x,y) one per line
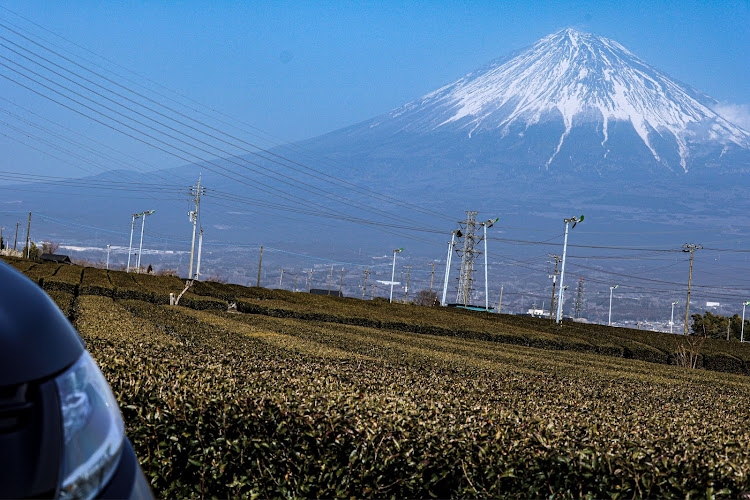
(578,311)
(468,253)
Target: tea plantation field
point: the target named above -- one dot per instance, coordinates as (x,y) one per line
(289,394)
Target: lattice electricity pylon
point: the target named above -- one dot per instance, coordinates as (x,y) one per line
(579,305)
(468,253)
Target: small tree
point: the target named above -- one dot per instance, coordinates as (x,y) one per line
(714,326)
(50,247)
(32,251)
(426,298)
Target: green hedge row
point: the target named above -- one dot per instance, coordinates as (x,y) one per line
(225,414)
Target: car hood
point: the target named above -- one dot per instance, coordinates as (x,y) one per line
(36,339)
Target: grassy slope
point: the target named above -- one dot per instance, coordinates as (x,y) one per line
(317,396)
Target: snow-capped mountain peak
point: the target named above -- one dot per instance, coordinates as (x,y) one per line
(576,78)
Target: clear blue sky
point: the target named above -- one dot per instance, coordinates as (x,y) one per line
(299,69)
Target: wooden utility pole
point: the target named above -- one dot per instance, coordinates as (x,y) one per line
(500,303)
(330,281)
(260,264)
(341,282)
(432,278)
(295,281)
(408,277)
(28,230)
(689,247)
(364,288)
(554,284)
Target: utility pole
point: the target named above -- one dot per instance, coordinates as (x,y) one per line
(742,328)
(282,277)
(578,311)
(143,226)
(485,225)
(28,230)
(689,247)
(574,220)
(200,248)
(2,243)
(295,281)
(500,302)
(330,281)
(15,240)
(309,281)
(130,246)
(609,318)
(393,271)
(260,264)
(554,282)
(108,247)
(432,278)
(408,279)
(364,288)
(194,219)
(451,245)
(341,283)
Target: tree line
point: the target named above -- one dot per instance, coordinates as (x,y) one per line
(716,327)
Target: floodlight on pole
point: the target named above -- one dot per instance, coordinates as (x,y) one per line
(143,226)
(451,244)
(742,330)
(130,246)
(574,220)
(393,271)
(485,225)
(671,320)
(611,289)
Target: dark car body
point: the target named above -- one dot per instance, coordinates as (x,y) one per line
(37,344)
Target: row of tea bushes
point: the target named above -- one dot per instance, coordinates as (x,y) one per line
(220,404)
(534,332)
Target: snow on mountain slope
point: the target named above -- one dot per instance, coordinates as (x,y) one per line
(577,78)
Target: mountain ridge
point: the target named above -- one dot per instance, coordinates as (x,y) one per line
(569,80)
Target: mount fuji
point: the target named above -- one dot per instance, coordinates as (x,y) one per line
(572,103)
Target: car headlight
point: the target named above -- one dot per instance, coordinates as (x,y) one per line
(93,430)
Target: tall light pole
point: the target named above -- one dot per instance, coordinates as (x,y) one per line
(485,225)
(454,234)
(130,246)
(671,320)
(143,226)
(574,220)
(393,271)
(611,289)
(742,329)
(108,247)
